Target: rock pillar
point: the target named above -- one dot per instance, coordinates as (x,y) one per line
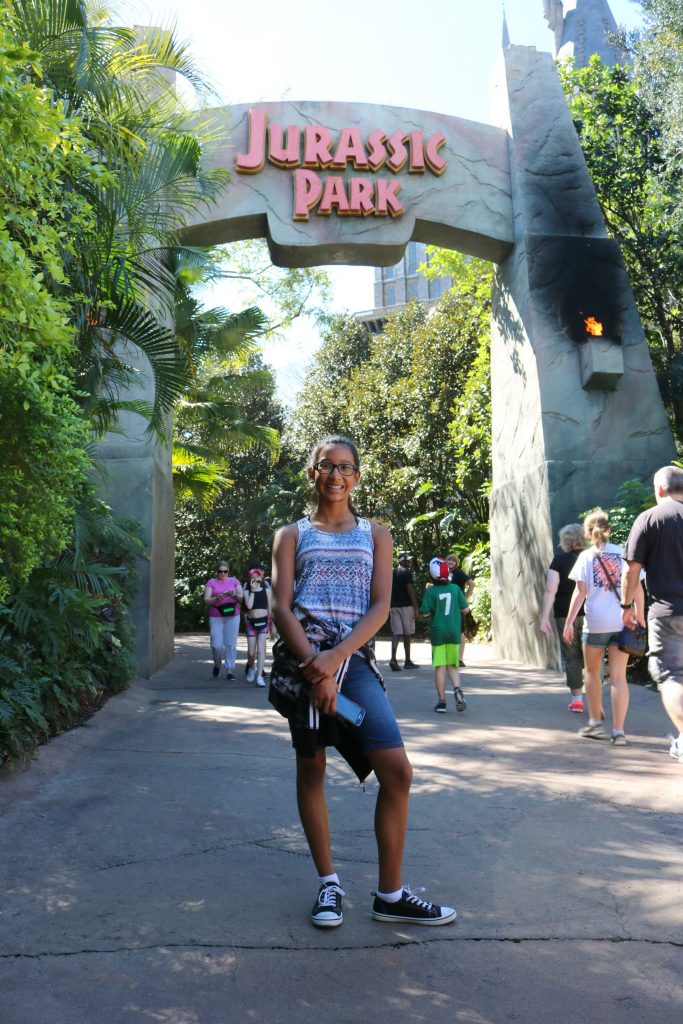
(573,416)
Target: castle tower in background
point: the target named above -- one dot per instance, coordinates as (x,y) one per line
(582,28)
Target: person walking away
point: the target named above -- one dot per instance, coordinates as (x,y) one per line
(466,584)
(597,574)
(402,611)
(444,603)
(222,595)
(558,592)
(655,544)
(331,592)
(257,618)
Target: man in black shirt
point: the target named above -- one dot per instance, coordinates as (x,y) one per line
(402,611)
(655,544)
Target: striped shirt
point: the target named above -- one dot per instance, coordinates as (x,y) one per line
(333,572)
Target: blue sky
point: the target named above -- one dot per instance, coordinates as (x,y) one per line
(425,54)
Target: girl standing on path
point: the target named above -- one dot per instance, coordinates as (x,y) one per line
(257,624)
(593,570)
(222,595)
(332,573)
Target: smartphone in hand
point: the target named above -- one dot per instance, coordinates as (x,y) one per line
(349,710)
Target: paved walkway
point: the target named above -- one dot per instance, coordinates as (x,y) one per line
(155,872)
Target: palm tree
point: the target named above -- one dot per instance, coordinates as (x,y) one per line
(118,83)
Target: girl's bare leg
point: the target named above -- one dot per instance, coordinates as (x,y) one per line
(261,653)
(310,799)
(618,661)
(592,659)
(394,774)
(251,651)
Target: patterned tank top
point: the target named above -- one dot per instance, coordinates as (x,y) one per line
(333,572)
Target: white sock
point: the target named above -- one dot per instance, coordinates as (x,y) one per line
(333,878)
(390,897)
(594,721)
(618,732)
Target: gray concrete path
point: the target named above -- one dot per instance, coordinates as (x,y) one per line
(154,870)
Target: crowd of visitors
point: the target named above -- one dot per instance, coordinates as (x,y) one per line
(594,589)
(333,588)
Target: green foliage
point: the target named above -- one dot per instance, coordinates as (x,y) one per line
(263,493)
(65,635)
(416,401)
(41,433)
(115,80)
(639,186)
(478,565)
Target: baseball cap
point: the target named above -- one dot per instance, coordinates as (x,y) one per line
(438,569)
(403,555)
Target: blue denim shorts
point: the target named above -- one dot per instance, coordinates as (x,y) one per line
(379,729)
(600,639)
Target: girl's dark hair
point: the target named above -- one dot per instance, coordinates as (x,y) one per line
(337,439)
(346,442)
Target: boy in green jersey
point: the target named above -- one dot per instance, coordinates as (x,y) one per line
(444,602)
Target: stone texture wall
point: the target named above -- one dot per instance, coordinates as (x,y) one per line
(558,447)
(137,482)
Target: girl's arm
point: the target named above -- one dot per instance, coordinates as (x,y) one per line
(248,600)
(282,587)
(326,663)
(324,693)
(551,584)
(578,597)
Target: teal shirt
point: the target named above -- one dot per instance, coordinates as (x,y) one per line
(443,603)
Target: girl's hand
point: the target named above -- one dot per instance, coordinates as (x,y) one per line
(545,627)
(319,667)
(324,696)
(568,632)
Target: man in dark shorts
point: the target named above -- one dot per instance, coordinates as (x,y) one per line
(402,611)
(655,544)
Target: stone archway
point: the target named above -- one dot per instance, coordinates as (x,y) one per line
(334,183)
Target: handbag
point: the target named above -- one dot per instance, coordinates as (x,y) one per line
(632,639)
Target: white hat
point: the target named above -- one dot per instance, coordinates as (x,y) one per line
(438,569)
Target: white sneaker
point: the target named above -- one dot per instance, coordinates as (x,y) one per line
(251,674)
(676,748)
(260,681)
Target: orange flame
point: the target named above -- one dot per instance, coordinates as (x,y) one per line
(593,326)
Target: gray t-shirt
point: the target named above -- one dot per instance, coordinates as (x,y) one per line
(656,541)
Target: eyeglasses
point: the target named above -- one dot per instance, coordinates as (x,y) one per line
(325,467)
(222,570)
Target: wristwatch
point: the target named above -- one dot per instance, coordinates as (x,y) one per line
(629,605)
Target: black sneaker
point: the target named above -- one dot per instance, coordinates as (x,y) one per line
(327,912)
(229,674)
(215,670)
(411,664)
(394,665)
(412,909)
(460,702)
(440,708)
